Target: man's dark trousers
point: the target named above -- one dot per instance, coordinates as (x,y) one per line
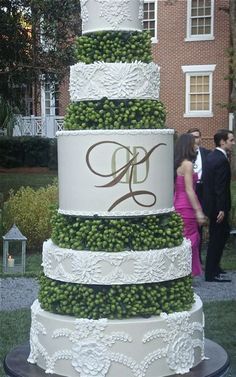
(218,235)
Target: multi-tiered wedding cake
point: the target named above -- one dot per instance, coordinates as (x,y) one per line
(116,296)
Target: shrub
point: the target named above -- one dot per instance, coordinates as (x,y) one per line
(30,210)
(28,151)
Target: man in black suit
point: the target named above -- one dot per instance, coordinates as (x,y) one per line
(199,163)
(199,168)
(217,202)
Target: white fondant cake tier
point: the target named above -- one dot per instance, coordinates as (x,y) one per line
(99,15)
(114,80)
(157,346)
(115,172)
(127,267)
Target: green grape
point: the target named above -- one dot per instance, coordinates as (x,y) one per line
(115,301)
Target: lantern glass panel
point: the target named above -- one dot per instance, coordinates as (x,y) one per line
(15,251)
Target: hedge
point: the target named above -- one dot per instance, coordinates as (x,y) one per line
(28,151)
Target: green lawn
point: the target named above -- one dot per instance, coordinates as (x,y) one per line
(228,261)
(15,328)
(14,181)
(220,327)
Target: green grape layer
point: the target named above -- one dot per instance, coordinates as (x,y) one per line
(114,235)
(111,47)
(115,114)
(116,301)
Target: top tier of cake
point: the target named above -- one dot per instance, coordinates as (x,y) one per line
(98,15)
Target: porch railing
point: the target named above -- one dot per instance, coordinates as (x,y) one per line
(38,126)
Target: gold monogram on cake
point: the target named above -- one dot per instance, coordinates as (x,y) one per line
(129,169)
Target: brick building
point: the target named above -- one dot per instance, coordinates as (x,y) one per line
(190,39)
(190,42)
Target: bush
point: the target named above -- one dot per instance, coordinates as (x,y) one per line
(11,152)
(30,210)
(28,151)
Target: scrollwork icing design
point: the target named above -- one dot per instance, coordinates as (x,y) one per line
(115,12)
(114,80)
(36,329)
(179,339)
(127,267)
(90,337)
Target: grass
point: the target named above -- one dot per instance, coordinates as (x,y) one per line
(16,180)
(220,327)
(228,261)
(229,255)
(15,327)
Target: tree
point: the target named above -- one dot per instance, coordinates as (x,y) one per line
(14,45)
(36,41)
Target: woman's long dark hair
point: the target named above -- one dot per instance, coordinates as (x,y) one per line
(184,150)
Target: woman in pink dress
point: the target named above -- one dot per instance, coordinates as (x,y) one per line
(185,200)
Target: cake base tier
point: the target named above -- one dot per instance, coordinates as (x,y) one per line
(215,365)
(135,347)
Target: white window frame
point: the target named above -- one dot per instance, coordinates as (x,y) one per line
(52,100)
(231,121)
(199,37)
(154,39)
(197,70)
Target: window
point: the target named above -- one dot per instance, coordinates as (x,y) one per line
(198,91)
(50,98)
(150,18)
(200,20)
